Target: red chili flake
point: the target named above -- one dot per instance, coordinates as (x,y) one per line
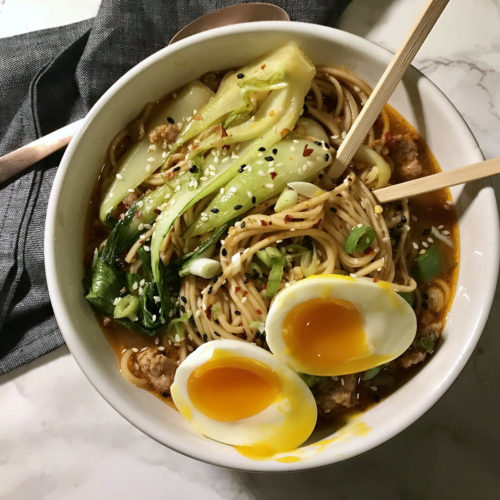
(198,117)
(369,251)
(208,313)
(271,113)
(288,218)
(157,211)
(226,146)
(273,175)
(195,146)
(375,280)
(245,293)
(307,151)
(223,132)
(263,222)
(122,216)
(237,289)
(259,311)
(263,66)
(264,286)
(388,137)
(138,214)
(318,223)
(170,175)
(284,132)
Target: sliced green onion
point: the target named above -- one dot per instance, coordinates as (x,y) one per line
(287,199)
(372,372)
(258,325)
(255,268)
(427,344)
(309,262)
(203,267)
(275,275)
(266,254)
(175,330)
(359,239)
(126,307)
(215,311)
(408,296)
(428,265)
(312,380)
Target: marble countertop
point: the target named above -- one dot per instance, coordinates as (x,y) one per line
(60,439)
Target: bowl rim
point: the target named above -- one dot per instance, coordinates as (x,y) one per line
(63,317)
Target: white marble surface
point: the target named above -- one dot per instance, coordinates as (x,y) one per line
(60,439)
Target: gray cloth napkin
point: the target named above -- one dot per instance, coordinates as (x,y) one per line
(48,79)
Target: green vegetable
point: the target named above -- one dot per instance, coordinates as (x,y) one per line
(408,296)
(127,307)
(205,250)
(359,239)
(309,262)
(105,287)
(312,380)
(275,275)
(255,268)
(283,77)
(427,344)
(258,325)
(287,199)
(372,159)
(260,180)
(202,267)
(428,265)
(175,330)
(133,167)
(215,311)
(372,372)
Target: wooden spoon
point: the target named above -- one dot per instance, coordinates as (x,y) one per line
(16,161)
(437,181)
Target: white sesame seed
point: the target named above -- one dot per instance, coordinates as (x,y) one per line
(119,176)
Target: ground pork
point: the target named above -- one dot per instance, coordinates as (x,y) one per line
(334,395)
(157,368)
(167,132)
(403,151)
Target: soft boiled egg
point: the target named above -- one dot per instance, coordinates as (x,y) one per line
(335,325)
(240,394)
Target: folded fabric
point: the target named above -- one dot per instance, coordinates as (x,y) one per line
(48,79)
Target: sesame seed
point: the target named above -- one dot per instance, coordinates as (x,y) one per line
(214,210)
(238,207)
(269,158)
(269,186)
(254,199)
(240,75)
(119,176)
(224,252)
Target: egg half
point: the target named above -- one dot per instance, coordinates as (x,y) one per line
(240,394)
(335,325)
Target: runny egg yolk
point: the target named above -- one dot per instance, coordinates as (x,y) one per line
(231,388)
(326,336)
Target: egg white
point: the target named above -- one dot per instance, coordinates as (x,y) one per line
(388,320)
(282,426)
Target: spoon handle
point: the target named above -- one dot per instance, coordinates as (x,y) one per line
(18,160)
(385,87)
(438,181)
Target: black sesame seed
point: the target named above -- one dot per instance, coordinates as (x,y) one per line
(165,394)
(184,299)
(425,296)
(238,207)
(241,169)
(403,219)
(327,157)
(238,313)
(205,337)
(426,231)
(217,333)
(240,75)
(193,169)
(318,143)
(182,309)
(333,209)
(224,252)
(176,169)
(275,151)
(262,148)
(243,224)
(254,199)
(269,158)
(170,120)
(217,322)
(210,290)
(245,280)
(214,210)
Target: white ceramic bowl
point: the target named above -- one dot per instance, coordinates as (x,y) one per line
(416,98)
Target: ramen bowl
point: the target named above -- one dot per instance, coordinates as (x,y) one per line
(423,105)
